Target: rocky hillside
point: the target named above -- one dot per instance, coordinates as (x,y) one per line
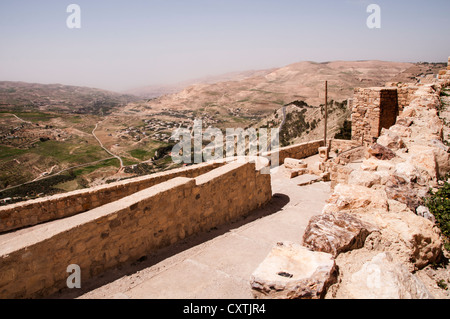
(301,122)
(257,98)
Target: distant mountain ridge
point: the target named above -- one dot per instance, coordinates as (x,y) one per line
(267,90)
(154,91)
(22,96)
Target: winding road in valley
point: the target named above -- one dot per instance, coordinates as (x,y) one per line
(108,151)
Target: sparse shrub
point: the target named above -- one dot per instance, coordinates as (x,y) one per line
(345,132)
(298,103)
(439,205)
(442,284)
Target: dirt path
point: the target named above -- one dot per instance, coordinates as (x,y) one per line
(108,151)
(41,177)
(22,120)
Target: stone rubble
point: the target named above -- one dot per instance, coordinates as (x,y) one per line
(375,225)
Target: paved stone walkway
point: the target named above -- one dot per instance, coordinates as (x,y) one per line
(217,265)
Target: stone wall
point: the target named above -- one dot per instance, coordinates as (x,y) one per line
(37,211)
(35,263)
(445,74)
(405,96)
(298,151)
(373,109)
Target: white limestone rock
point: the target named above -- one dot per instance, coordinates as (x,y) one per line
(364,178)
(291,271)
(382,278)
(424,212)
(355,197)
(390,140)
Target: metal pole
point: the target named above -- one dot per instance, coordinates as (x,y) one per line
(326,114)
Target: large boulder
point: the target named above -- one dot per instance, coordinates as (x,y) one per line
(383,278)
(291,271)
(407,171)
(364,178)
(355,197)
(380,152)
(390,140)
(334,233)
(414,240)
(424,159)
(402,190)
(442,156)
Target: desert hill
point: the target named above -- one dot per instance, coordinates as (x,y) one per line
(48,129)
(22,96)
(263,93)
(154,91)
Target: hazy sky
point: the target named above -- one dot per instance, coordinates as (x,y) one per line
(127,44)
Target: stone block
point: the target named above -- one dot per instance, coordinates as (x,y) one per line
(290,173)
(355,197)
(292,271)
(380,152)
(364,178)
(294,163)
(325,177)
(390,140)
(323,153)
(370,164)
(334,233)
(316,168)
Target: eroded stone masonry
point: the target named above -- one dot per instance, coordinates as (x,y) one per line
(374,236)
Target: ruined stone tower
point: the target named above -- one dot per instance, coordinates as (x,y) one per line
(373,109)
